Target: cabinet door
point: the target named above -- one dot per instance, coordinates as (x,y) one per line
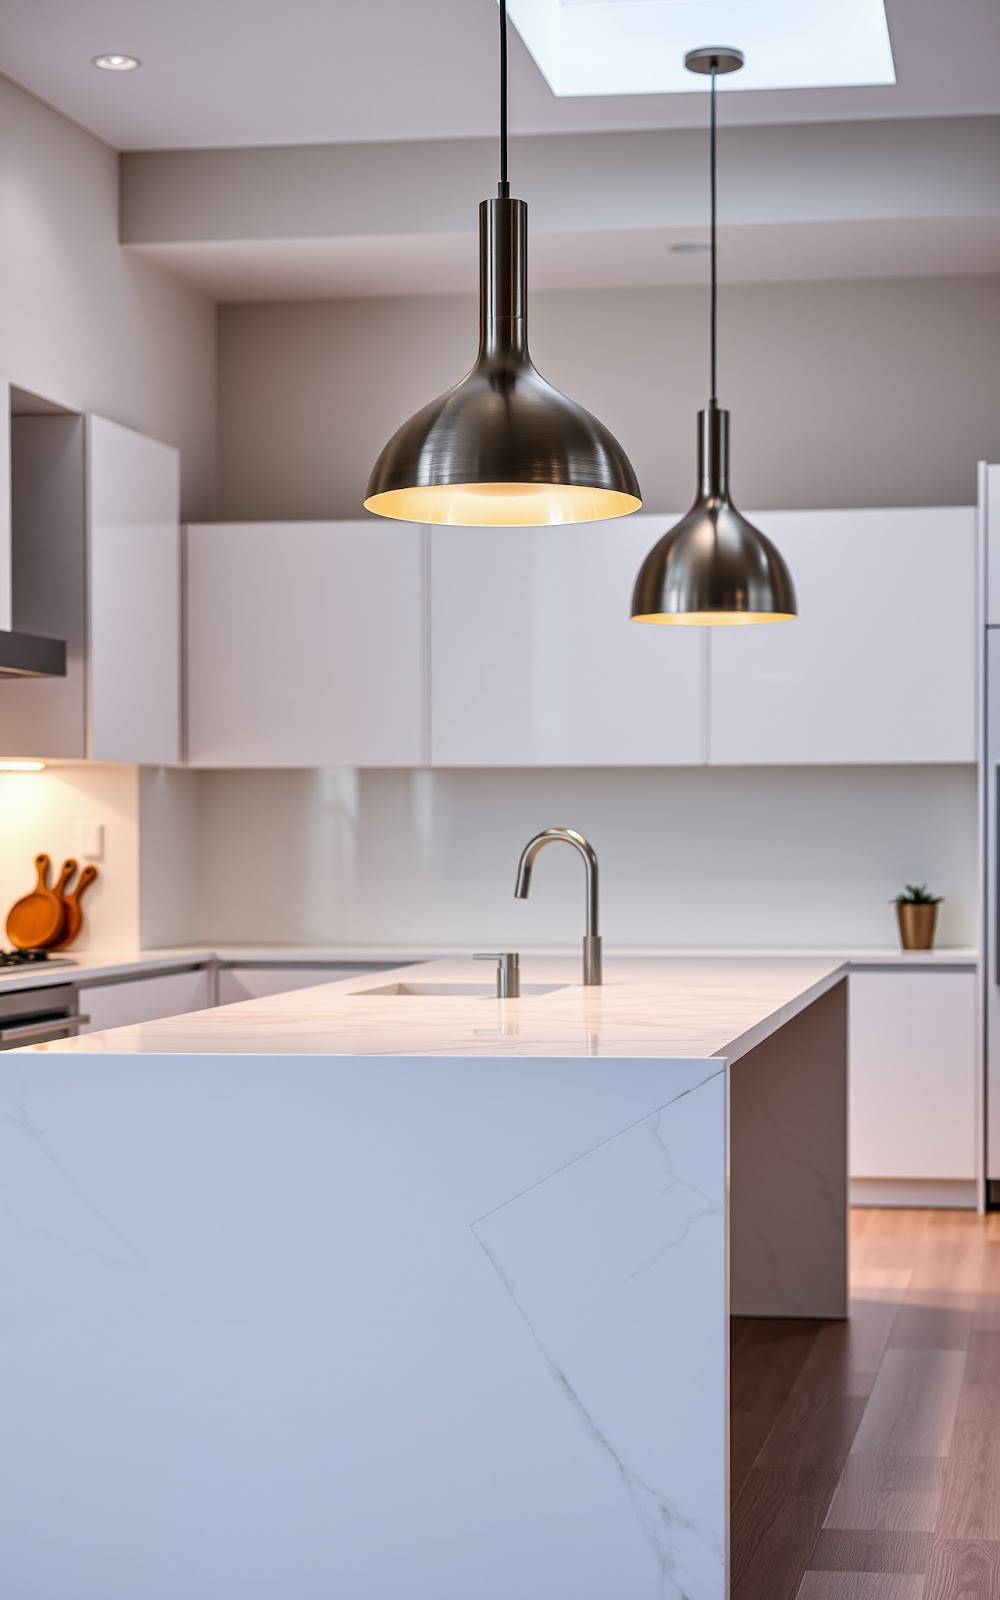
(913,1077)
(47,717)
(135,597)
(120,1005)
(879,666)
(535,661)
(306,644)
(255,983)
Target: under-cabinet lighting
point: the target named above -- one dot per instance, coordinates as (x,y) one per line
(22,766)
(116,63)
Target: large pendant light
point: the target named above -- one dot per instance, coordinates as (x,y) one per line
(714,567)
(503,446)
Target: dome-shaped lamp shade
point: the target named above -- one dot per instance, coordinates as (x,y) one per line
(714,568)
(503,447)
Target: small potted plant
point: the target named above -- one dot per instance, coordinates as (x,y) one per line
(916,911)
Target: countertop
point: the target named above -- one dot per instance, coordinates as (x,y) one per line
(687,1007)
(115,965)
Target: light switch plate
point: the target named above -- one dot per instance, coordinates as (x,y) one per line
(90,841)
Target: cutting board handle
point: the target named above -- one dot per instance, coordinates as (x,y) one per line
(87,877)
(66,871)
(42,864)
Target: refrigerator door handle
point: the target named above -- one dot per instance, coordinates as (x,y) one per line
(996,873)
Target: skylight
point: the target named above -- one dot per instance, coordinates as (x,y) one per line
(594,47)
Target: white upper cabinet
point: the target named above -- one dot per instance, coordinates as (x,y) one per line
(880,665)
(535,662)
(95,540)
(306,644)
(135,597)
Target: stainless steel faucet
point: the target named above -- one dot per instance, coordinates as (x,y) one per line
(592,973)
(508,973)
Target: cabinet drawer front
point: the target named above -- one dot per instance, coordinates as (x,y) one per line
(913,1074)
(254,983)
(119,1005)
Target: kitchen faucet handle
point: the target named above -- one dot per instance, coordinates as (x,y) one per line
(508,972)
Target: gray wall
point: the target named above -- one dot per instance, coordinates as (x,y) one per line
(848,393)
(81,321)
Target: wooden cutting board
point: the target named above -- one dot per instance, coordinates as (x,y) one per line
(72,912)
(37,918)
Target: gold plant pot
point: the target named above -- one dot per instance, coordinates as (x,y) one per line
(916,926)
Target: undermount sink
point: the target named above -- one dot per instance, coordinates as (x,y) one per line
(460,991)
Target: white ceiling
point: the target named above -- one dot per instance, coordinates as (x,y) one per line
(260,72)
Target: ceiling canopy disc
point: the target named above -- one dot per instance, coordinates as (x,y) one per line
(726,58)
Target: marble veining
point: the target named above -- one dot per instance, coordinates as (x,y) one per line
(586,1277)
(472,1263)
(647,1006)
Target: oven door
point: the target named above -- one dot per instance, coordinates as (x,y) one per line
(39,1016)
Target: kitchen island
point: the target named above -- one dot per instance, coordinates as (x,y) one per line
(391,1290)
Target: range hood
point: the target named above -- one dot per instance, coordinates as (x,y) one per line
(28,655)
(22,654)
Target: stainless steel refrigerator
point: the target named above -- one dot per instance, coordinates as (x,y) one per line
(989,527)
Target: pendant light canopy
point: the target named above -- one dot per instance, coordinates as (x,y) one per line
(503,447)
(714,568)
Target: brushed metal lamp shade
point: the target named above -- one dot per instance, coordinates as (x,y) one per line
(714,568)
(503,447)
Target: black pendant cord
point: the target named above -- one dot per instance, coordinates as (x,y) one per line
(503,187)
(714,398)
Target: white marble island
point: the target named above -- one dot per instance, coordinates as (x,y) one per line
(410,1297)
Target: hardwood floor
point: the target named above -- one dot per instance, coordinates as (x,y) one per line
(866,1454)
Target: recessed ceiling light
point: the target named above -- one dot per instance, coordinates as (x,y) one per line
(115,63)
(22,766)
(689,247)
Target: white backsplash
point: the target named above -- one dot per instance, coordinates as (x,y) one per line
(42,810)
(702,857)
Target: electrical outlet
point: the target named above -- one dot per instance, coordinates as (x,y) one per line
(90,841)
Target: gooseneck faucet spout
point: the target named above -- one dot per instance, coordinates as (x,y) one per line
(592,972)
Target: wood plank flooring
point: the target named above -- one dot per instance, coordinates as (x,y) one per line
(866,1454)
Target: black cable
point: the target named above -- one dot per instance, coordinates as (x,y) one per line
(714,399)
(503,187)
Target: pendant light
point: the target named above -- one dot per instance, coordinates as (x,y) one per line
(503,447)
(714,567)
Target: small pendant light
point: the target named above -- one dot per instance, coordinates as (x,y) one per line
(714,567)
(503,447)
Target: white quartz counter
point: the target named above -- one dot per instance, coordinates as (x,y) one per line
(408,1295)
(647,1007)
(114,966)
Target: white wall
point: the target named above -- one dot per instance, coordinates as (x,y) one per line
(843,394)
(796,856)
(42,811)
(722,857)
(169,855)
(82,322)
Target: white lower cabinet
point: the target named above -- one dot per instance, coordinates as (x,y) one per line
(254,983)
(132,1000)
(913,1075)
